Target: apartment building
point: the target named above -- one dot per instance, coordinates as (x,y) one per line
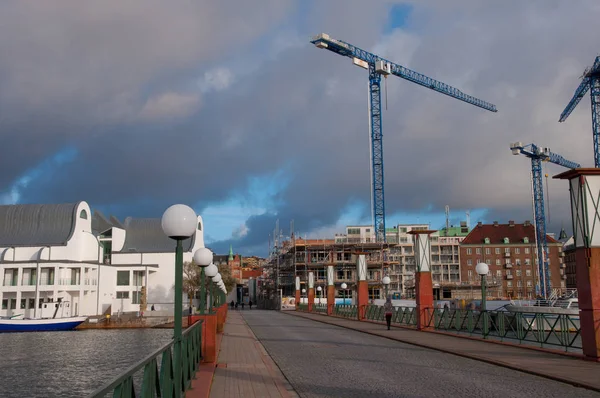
(511,253)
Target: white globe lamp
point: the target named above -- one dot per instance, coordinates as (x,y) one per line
(203,257)
(217,278)
(482,269)
(179,222)
(211,270)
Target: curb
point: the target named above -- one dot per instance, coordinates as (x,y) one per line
(469,356)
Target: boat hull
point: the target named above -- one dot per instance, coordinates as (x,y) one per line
(39,325)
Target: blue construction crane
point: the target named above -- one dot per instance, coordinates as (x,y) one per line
(590,81)
(538,155)
(378,66)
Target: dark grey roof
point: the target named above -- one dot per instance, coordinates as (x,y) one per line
(37,225)
(100,223)
(145,235)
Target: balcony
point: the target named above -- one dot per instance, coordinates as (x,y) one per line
(509,276)
(506,254)
(508,265)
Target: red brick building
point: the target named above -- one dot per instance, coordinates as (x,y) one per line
(511,253)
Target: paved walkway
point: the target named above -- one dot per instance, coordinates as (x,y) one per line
(558,367)
(244,368)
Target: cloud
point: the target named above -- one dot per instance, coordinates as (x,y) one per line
(242,94)
(169,105)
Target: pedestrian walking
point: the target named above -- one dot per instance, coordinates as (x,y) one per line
(389,310)
(250,304)
(243,305)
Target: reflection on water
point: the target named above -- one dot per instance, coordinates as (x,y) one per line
(70,364)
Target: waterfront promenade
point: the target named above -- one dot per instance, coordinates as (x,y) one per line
(289,354)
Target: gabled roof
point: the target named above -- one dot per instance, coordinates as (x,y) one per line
(102,224)
(37,225)
(145,235)
(497,232)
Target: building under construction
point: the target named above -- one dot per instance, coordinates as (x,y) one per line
(293,257)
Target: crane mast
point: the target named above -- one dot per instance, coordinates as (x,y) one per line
(538,155)
(378,66)
(590,82)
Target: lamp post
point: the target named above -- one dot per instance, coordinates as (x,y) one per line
(303,291)
(320,290)
(386,283)
(211,271)
(178,223)
(482,269)
(344,287)
(217,278)
(203,258)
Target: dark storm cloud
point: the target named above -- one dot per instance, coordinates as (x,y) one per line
(124,86)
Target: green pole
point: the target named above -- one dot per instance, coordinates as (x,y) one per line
(202,291)
(212,296)
(178,317)
(483,293)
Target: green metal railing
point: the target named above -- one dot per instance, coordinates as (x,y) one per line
(320,308)
(158,380)
(406,316)
(346,311)
(303,307)
(545,329)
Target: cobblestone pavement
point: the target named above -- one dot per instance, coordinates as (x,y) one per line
(321,360)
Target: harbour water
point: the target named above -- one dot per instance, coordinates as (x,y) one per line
(71,364)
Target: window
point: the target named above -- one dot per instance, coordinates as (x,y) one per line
(526,250)
(403,230)
(487,250)
(469,262)
(525,240)
(518,272)
(13,304)
(509,284)
(199,226)
(470,273)
(122,295)
(519,283)
(527,272)
(518,261)
(529,284)
(487,241)
(469,251)
(499,273)
(506,240)
(497,250)
(137,298)
(527,261)
(353,231)
(4,304)
(517,250)
(374,294)
(478,250)
(368,230)
(122,278)
(478,260)
(83,214)
(507,250)
(23,303)
(138,278)
(31,303)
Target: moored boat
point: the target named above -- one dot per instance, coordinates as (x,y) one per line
(55,316)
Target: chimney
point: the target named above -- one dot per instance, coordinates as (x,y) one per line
(495,223)
(479,224)
(511,223)
(527,223)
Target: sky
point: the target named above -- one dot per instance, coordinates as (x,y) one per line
(227,107)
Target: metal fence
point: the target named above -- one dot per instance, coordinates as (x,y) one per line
(153,376)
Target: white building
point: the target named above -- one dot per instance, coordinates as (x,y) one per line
(97,264)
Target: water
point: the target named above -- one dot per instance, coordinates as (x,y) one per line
(71,364)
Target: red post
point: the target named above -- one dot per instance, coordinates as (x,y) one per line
(584,193)
(423,283)
(362,299)
(311,290)
(330,299)
(297,291)
(209,338)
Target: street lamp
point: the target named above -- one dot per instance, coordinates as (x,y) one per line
(482,269)
(179,223)
(211,271)
(303,293)
(203,257)
(320,290)
(344,287)
(386,282)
